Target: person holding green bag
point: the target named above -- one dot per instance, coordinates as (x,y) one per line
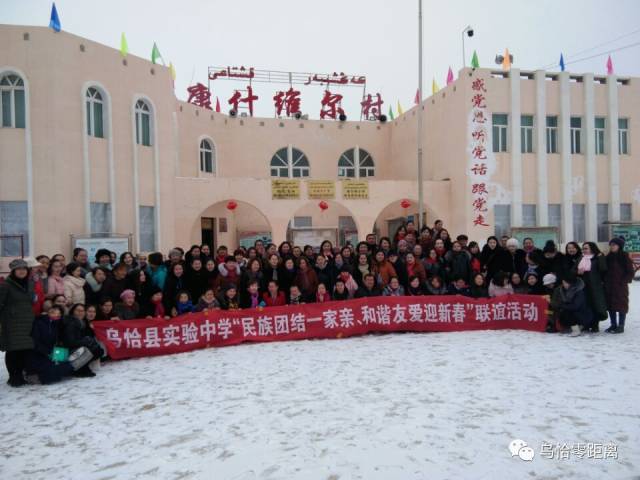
(49,361)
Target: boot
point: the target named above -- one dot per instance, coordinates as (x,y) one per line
(575,331)
(84,372)
(611,329)
(16,381)
(620,329)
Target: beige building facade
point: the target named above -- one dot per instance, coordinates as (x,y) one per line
(91,143)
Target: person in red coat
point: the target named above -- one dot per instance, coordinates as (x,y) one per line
(620,273)
(274,297)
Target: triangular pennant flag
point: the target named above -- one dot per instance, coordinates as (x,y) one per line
(391,113)
(217,105)
(54,22)
(400,111)
(434,87)
(609,66)
(417,99)
(155,54)
(172,70)
(506,61)
(124,47)
(474,60)
(561,63)
(449,76)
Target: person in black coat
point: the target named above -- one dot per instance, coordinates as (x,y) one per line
(143,287)
(76,333)
(478,287)
(326,272)
(116,283)
(196,278)
(369,288)
(400,267)
(174,284)
(569,301)
(94,283)
(490,257)
(46,335)
(553,260)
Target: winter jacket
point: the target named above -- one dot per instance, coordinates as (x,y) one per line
(458,265)
(620,273)
(92,290)
(390,292)
(16,315)
(594,286)
(124,312)
(383,272)
(113,288)
(453,290)
(45,335)
(491,260)
(327,275)
(498,291)
(158,276)
(279,301)
(307,282)
(196,282)
(74,289)
(172,287)
(435,267)
(478,292)
(571,305)
(202,305)
(54,285)
(77,333)
(363,292)
(416,269)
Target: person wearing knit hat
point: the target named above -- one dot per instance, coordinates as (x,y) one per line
(620,272)
(549,280)
(127,309)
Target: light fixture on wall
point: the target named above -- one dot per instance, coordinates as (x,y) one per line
(382,118)
(232,113)
(342,117)
(297,115)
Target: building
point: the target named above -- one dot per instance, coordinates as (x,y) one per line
(94,143)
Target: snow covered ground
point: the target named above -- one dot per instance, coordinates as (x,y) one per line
(398,406)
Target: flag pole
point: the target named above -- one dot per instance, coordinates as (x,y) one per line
(419,135)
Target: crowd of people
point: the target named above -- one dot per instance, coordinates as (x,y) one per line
(48,304)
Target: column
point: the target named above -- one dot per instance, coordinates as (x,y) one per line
(591,181)
(516,155)
(565,155)
(541,149)
(612,145)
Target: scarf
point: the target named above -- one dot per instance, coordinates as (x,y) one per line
(158,309)
(585,264)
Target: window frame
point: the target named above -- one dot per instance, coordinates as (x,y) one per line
(140,112)
(295,163)
(355,161)
(14,86)
(526,134)
(600,137)
(575,136)
(501,132)
(91,104)
(623,132)
(203,151)
(552,134)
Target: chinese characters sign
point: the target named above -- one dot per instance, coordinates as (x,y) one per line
(285,189)
(140,338)
(355,190)
(478,168)
(321,189)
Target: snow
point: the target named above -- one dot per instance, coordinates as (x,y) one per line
(397,406)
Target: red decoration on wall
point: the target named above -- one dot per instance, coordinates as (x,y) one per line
(405,203)
(331,105)
(323,205)
(237,98)
(232,205)
(199,95)
(289,100)
(371,107)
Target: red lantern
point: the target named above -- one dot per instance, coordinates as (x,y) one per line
(232,205)
(405,203)
(323,205)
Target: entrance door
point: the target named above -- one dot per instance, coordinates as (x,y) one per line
(208,229)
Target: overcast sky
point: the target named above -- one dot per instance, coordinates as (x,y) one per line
(376,38)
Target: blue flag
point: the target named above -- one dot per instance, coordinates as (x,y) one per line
(54,23)
(561,63)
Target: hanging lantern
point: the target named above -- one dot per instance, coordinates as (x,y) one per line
(405,203)
(232,205)
(323,205)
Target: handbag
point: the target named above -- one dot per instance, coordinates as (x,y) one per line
(59,354)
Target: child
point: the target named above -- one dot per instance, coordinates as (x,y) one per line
(321,294)
(295,296)
(127,309)
(273,297)
(478,287)
(459,287)
(207,302)
(394,289)
(183,304)
(229,299)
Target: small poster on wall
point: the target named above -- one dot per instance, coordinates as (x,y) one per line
(222,225)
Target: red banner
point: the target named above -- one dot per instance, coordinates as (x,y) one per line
(217,328)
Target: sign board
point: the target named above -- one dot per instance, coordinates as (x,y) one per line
(313,236)
(114,243)
(248,239)
(540,235)
(285,189)
(631,235)
(355,190)
(321,189)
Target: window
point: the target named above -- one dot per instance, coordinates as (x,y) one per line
(95,107)
(143,123)
(623,136)
(603,216)
(526,133)
(207,156)
(529,216)
(14,220)
(147,230)
(12,102)
(579,228)
(499,132)
(599,127)
(552,134)
(502,214)
(284,167)
(100,217)
(356,163)
(555,215)
(302,222)
(576,126)
(625,212)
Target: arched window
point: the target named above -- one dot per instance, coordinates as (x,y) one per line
(12,104)
(356,163)
(143,123)
(289,162)
(95,112)
(207,156)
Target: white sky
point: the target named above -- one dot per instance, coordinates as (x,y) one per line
(376,38)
